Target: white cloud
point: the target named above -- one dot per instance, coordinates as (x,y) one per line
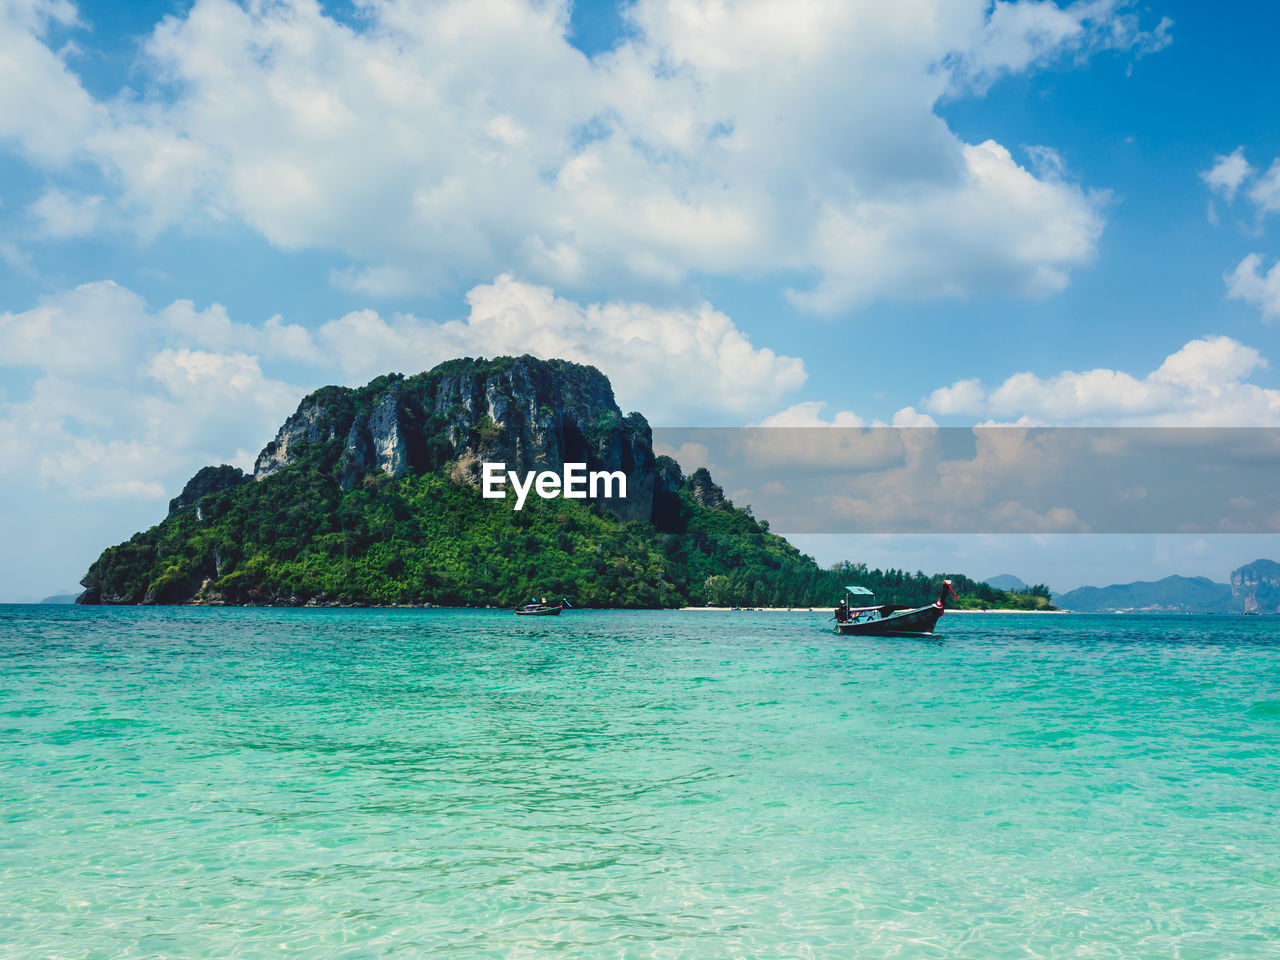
(130,401)
(910,417)
(962,397)
(62,215)
(668,363)
(91,469)
(213,328)
(925,488)
(1018,35)
(1228,172)
(809,414)
(86,333)
(121,407)
(44,111)
(1248,282)
(1205,383)
(1265,193)
(801,437)
(450,140)
(1209,363)
(1232,171)
(212,385)
(994,226)
(17,258)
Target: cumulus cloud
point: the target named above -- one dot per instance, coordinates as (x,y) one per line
(809,414)
(62,215)
(902,478)
(952,240)
(1228,172)
(992,478)
(451,140)
(1232,171)
(962,397)
(213,328)
(120,407)
(911,417)
(1208,364)
(45,112)
(1205,383)
(669,363)
(128,401)
(1265,193)
(1015,36)
(1250,283)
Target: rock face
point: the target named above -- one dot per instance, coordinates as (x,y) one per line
(527,413)
(1257,586)
(206,481)
(328,479)
(708,493)
(313,422)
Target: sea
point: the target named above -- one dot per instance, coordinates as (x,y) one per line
(253,783)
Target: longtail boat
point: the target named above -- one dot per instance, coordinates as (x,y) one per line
(540,608)
(889,619)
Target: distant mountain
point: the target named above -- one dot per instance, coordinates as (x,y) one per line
(1171,595)
(1256,587)
(61,598)
(1007,581)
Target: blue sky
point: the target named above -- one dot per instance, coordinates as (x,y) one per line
(741,212)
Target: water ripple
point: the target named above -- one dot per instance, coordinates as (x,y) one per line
(359,784)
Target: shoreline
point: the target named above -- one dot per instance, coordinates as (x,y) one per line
(828,610)
(415,606)
(432,606)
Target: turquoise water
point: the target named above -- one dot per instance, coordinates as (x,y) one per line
(263,783)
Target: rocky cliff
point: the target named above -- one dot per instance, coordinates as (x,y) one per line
(1256,586)
(208,480)
(369,495)
(527,413)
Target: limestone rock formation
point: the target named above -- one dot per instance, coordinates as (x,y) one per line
(708,493)
(1257,586)
(527,413)
(343,442)
(208,480)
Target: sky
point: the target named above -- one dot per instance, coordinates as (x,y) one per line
(943,211)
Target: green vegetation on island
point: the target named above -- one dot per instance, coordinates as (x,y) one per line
(370,496)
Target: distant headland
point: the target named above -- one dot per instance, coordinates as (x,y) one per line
(1252,588)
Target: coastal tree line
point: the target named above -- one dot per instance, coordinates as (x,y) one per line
(424,539)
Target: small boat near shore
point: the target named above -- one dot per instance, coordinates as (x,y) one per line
(540,608)
(888,619)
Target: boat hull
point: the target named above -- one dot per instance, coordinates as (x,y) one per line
(917,622)
(545,612)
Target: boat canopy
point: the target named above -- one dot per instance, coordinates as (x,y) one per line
(860,591)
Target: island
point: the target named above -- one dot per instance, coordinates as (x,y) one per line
(371,496)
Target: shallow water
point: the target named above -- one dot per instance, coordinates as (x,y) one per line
(261,783)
